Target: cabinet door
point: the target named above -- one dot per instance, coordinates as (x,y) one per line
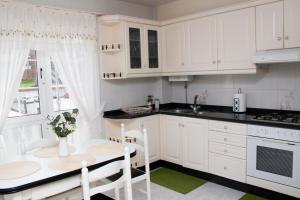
(135,46)
(201,41)
(269,26)
(173,45)
(151,124)
(195,144)
(171,139)
(152,49)
(291,23)
(236,39)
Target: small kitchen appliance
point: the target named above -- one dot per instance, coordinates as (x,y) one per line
(239,102)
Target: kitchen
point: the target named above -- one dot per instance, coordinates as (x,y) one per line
(223,80)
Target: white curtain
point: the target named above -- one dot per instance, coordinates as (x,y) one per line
(14,50)
(69,37)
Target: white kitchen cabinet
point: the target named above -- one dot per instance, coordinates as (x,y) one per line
(269,26)
(228,167)
(143,48)
(172,139)
(227,149)
(201,44)
(151,124)
(236,39)
(129,47)
(112,129)
(277,25)
(291,23)
(185,141)
(195,144)
(173,47)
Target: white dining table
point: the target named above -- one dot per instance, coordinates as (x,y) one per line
(47,181)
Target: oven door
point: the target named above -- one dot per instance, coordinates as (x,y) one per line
(274,160)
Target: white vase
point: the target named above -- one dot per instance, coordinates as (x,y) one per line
(63,147)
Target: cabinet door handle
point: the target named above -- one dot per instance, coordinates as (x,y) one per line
(182,64)
(219,61)
(225,168)
(279,38)
(287,37)
(214,62)
(225,127)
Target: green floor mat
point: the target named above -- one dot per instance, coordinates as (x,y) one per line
(176,181)
(251,197)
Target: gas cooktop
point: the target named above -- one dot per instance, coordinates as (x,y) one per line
(279,118)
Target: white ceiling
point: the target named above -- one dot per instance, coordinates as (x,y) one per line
(155,3)
(149,2)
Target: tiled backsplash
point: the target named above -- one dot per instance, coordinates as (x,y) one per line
(130,92)
(278,88)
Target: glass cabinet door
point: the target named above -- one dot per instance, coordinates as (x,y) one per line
(152,48)
(135,48)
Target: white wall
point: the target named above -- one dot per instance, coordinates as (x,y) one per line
(101,6)
(277,89)
(131,92)
(185,7)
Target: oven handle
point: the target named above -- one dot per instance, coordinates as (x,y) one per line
(274,141)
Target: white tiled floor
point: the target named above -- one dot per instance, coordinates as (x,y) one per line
(208,191)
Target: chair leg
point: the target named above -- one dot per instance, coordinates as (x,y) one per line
(117,193)
(148,188)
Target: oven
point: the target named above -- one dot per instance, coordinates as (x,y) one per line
(273,154)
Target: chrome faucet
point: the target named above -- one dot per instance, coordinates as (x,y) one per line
(195,107)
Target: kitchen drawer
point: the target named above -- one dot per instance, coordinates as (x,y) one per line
(227,150)
(228,167)
(228,127)
(227,138)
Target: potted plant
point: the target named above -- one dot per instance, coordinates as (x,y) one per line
(63,125)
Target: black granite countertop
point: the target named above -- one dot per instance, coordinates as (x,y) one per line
(221,113)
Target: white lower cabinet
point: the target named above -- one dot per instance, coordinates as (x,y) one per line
(112,129)
(151,124)
(171,136)
(227,167)
(227,150)
(195,144)
(185,141)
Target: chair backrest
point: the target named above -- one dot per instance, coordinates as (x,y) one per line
(104,172)
(141,144)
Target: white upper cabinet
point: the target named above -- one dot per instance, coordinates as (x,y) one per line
(236,39)
(201,44)
(173,48)
(269,26)
(143,48)
(277,25)
(291,23)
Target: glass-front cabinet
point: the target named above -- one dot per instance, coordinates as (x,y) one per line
(143,52)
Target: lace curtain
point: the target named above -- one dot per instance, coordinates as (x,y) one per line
(70,38)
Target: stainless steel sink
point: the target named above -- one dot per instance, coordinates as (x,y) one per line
(182,110)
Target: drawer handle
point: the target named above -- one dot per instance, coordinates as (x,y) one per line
(225,127)
(225,151)
(225,139)
(225,168)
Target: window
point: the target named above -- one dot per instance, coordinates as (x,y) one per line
(41,93)
(27,101)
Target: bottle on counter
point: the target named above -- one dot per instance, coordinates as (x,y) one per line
(150,102)
(156,104)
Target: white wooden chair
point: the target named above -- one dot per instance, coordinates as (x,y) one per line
(94,192)
(141,147)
